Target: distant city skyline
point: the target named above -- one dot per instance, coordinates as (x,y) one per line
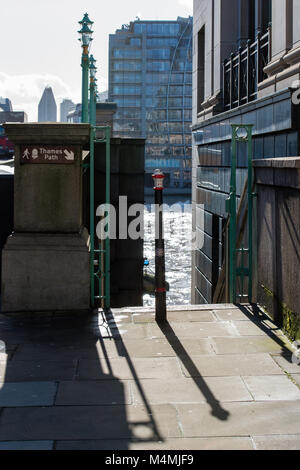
(47,109)
(40,57)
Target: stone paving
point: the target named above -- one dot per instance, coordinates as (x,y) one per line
(213,378)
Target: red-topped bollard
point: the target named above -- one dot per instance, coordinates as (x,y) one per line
(160,282)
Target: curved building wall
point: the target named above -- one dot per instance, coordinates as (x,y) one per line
(150,79)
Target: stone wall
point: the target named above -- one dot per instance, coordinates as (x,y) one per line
(6,210)
(278,240)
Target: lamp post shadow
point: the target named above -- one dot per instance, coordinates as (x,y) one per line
(216,408)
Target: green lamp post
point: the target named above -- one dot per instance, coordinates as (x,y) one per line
(85,39)
(93,90)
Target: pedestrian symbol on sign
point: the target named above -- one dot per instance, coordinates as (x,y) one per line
(26,154)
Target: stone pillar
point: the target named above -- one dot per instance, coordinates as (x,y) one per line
(45,262)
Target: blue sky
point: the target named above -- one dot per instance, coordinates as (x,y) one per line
(39,43)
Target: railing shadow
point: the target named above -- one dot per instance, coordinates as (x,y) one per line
(258,318)
(68,352)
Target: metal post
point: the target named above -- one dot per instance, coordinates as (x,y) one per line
(160,282)
(92,215)
(250,211)
(107,241)
(85,85)
(232,224)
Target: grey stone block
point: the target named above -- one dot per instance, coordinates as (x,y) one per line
(38,370)
(273,388)
(45,273)
(27,394)
(92,422)
(244,419)
(233,365)
(277,442)
(219,443)
(27,445)
(110,392)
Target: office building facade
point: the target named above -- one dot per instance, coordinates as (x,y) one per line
(5,105)
(246,60)
(47,110)
(66,106)
(150,80)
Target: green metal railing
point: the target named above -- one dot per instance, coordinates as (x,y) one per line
(240,133)
(100,255)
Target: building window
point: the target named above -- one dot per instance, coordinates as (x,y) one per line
(201,68)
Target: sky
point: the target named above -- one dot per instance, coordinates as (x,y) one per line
(39,43)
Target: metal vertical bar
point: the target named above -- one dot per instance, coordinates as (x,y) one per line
(239,75)
(107,242)
(258,65)
(232,225)
(248,72)
(250,212)
(231,81)
(92,215)
(85,86)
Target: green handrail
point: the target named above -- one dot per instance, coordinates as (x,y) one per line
(98,255)
(240,133)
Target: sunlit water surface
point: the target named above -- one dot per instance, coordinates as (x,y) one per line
(177,234)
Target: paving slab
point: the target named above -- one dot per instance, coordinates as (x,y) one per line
(27,445)
(277,442)
(230,314)
(27,371)
(256,329)
(215,443)
(27,394)
(110,392)
(188,330)
(244,419)
(66,352)
(129,331)
(224,389)
(89,422)
(232,365)
(177,317)
(272,388)
(246,345)
(286,363)
(144,368)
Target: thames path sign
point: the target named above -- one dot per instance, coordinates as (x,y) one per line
(48,154)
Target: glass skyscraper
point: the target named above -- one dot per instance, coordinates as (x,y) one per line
(150,79)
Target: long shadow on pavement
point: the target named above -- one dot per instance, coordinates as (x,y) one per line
(57,384)
(181,353)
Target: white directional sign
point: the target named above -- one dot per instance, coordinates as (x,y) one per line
(58,154)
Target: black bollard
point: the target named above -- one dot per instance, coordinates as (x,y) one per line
(160,281)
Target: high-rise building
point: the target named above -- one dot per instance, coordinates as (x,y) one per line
(5,105)
(66,106)
(47,111)
(150,80)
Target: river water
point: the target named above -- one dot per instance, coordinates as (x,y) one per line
(177,234)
